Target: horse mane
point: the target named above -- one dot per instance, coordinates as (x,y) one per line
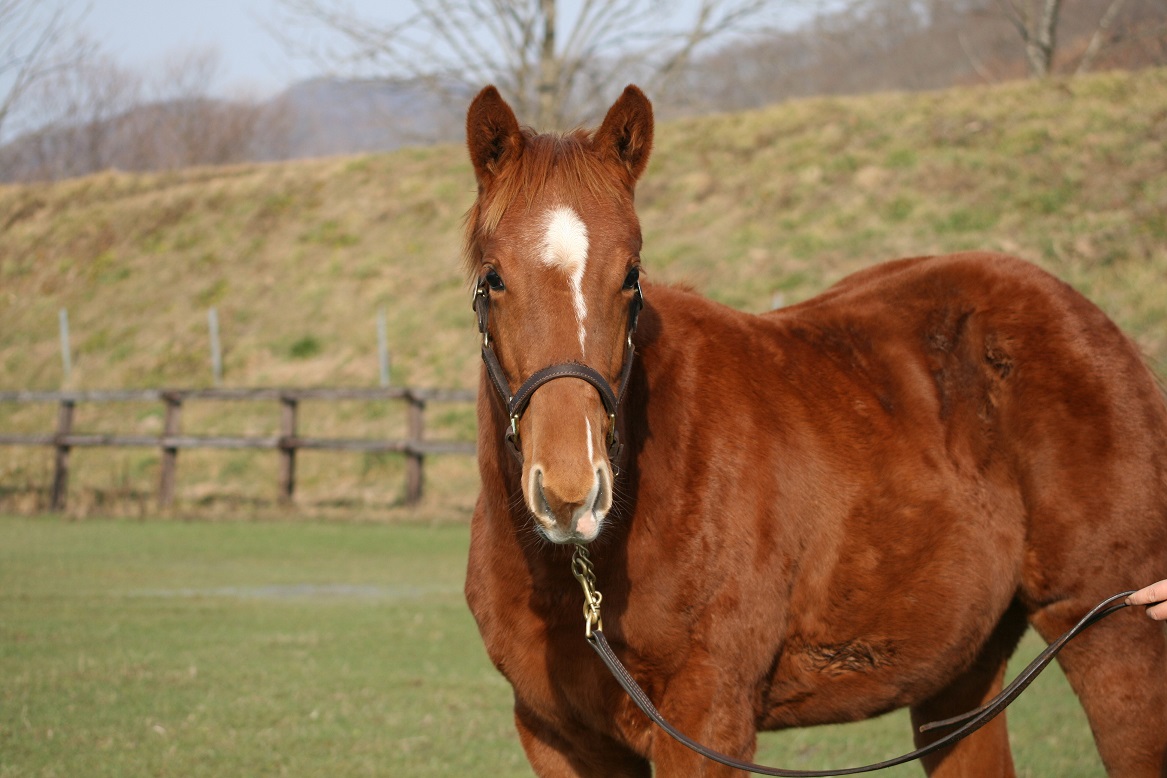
(570,161)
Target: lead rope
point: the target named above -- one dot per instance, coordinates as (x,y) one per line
(584,572)
(581,568)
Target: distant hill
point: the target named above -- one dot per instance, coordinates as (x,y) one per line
(315,118)
(327,116)
(749,208)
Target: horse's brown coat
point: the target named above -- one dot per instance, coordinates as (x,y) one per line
(823,513)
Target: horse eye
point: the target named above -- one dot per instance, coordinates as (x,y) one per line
(632,278)
(494,280)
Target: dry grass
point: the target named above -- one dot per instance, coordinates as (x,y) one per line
(299,257)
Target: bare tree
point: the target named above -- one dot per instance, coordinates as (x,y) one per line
(1036,21)
(180,123)
(555,69)
(103,115)
(181,131)
(76,114)
(1100,35)
(37,40)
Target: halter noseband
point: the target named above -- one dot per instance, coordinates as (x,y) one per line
(517,403)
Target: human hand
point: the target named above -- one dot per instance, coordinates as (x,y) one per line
(1149,595)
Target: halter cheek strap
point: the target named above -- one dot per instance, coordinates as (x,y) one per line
(517,403)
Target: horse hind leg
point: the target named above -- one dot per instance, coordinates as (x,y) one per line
(1118,669)
(985,753)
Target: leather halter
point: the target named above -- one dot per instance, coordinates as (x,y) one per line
(517,403)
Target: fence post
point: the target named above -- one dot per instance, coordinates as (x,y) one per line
(383,346)
(66,349)
(415,459)
(288,408)
(61,463)
(216,349)
(171,427)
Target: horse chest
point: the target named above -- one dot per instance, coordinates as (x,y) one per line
(556,676)
(535,637)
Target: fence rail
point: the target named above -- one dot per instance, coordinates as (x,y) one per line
(414,446)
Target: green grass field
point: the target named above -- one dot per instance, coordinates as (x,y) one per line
(167,648)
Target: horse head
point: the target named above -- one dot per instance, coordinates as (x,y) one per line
(553,248)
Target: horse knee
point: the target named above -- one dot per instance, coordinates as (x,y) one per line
(725,725)
(552,752)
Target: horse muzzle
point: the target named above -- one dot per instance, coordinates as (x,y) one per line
(569,511)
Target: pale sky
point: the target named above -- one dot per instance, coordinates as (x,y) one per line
(140,34)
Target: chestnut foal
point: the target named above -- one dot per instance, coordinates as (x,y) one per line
(815,515)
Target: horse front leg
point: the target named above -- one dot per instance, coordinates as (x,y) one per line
(711,709)
(985,753)
(554,753)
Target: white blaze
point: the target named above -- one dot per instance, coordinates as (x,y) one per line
(591,450)
(565,246)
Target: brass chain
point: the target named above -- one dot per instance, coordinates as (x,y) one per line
(585,573)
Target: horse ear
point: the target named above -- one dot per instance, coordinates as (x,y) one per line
(627,131)
(492,135)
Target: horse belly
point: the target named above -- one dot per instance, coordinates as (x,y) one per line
(843,682)
(903,598)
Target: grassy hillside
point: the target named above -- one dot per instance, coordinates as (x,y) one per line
(299,257)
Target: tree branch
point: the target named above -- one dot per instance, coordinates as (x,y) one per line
(1097,39)
(525,46)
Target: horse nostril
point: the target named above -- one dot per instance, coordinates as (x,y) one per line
(548,501)
(541,503)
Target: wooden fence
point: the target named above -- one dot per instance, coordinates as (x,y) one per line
(415,447)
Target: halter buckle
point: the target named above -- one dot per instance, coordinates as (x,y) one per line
(512,440)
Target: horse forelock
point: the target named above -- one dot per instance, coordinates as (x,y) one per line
(566,163)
